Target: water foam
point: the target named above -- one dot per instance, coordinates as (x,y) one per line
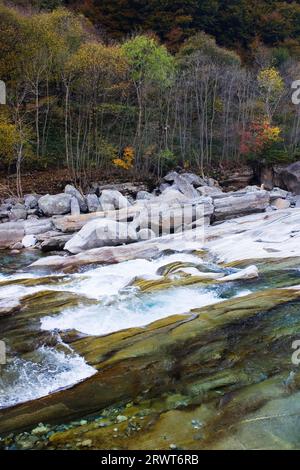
(23,380)
(130,310)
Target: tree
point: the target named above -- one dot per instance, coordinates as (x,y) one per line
(271,87)
(149,64)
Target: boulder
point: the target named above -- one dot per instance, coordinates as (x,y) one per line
(55,243)
(11,233)
(29,241)
(142,195)
(111,199)
(99,233)
(165,218)
(37,226)
(171,176)
(127,189)
(185,187)
(18,213)
(281,203)
(278,193)
(209,191)
(4,214)
(75,208)
(291,178)
(31,201)
(193,179)
(238,179)
(58,204)
(239,204)
(72,191)
(93,203)
(171,196)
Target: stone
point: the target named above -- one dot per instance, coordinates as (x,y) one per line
(111,199)
(146,234)
(31,201)
(239,204)
(239,179)
(127,188)
(142,195)
(278,193)
(100,233)
(171,196)
(58,204)
(18,213)
(37,226)
(171,177)
(165,218)
(291,178)
(185,187)
(209,191)
(75,208)
(10,233)
(4,214)
(193,179)
(281,203)
(93,203)
(17,246)
(54,241)
(40,430)
(72,191)
(251,272)
(29,241)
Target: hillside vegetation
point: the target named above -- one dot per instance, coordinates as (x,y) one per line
(147,86)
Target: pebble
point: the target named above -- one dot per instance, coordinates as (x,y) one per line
(121,418)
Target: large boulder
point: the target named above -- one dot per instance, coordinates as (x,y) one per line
(11,233)
(240,203)
(93,203)
(164,218)
(31,201)
(72,191)
(171,196)
(185,187)
(59,204)
(18,212)
(291,178)
(111,199)
(101,232)
(37,226)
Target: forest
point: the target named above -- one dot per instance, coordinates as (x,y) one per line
(200,85)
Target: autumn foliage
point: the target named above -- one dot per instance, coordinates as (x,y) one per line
(260,136)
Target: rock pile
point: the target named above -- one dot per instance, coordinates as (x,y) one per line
(78,222)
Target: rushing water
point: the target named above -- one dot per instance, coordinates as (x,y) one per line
(115,306)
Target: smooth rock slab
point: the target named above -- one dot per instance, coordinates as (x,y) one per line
(239,204)
(99,233)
